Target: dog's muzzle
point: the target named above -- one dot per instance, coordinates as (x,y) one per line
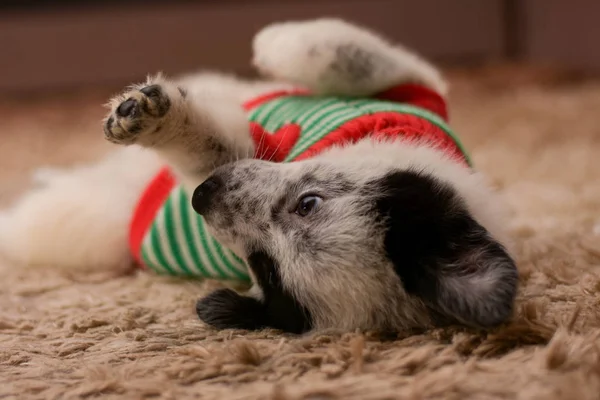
(204,195)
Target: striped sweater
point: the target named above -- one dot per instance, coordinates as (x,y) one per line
(168,237)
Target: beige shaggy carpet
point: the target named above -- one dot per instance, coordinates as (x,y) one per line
(132,335)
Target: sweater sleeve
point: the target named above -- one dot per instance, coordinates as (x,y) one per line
(168,237)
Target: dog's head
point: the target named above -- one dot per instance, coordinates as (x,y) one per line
(374,236)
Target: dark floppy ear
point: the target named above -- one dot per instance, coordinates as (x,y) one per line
(225,309)
(441,254)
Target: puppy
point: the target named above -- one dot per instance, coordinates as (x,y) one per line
(347,200)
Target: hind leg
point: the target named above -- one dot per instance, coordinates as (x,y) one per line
(344,59)
(78,219)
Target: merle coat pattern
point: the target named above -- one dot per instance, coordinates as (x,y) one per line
(377,235)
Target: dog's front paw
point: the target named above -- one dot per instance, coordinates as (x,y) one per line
(225,309)
(141,112)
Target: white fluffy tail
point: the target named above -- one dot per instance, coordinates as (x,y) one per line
(78,219)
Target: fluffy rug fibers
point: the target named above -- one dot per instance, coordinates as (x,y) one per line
(108,334)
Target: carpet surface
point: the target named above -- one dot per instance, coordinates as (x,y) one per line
(102,335)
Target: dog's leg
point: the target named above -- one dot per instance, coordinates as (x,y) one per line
(195,124)
(206,85)
(78,219)
(330,56)
(191,133)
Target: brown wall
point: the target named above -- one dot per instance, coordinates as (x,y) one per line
(70,45)
(66,47)
(562,32)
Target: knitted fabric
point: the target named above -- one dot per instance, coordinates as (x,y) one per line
(168,237)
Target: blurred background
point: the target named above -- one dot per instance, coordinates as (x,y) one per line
(60,44)
(60,60)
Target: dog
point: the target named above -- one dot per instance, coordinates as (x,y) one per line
(347,200)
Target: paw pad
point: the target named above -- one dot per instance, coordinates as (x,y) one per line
(153,91)
(139,113)
(126,108)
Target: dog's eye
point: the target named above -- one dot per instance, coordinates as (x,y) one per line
(308,205)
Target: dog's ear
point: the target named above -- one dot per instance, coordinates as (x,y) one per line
(441,254)
(226,309)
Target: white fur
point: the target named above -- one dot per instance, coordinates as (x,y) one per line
(318,41)
(80,219)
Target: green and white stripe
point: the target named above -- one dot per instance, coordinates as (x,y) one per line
(318,116)
(178,242)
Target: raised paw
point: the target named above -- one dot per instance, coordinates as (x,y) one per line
(342,57)
(281,45)
(333,56)
(141,112)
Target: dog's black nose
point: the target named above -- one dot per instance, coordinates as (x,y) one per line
(204,194)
